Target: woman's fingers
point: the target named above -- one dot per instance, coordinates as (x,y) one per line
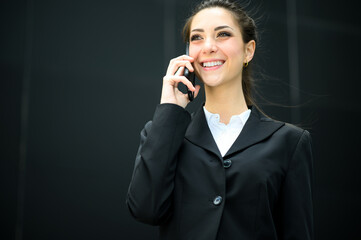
(174,76)
(173,69)
(179,72)
(197,88)
(182,57)
(176,63)
(174,80)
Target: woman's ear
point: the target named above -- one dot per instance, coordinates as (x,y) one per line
(250,49)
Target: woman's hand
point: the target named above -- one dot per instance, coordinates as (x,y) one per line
(174,75)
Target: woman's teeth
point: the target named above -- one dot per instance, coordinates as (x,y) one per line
(212,64)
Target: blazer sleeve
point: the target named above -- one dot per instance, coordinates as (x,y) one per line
(149,196)
(297,199)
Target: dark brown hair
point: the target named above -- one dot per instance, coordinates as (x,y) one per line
(248,29)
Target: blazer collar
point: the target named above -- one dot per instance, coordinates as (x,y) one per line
(257,128)
(199,133)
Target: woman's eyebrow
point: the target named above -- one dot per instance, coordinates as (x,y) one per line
(221,27)
(198,30)
(215,29)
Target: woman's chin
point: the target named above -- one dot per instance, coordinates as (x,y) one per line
(212,82)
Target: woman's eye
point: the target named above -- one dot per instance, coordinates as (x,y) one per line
(224,34)
(195,37)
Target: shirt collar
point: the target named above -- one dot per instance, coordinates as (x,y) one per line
(213,118)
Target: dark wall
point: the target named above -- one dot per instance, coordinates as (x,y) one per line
(79,79)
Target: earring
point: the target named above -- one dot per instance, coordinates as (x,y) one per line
(245,64)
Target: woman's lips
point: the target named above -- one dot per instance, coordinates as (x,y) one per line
(212,65)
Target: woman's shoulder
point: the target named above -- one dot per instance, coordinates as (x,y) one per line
(294,134)
(291,136)
(287,129)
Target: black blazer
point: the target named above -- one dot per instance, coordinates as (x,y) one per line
(261,188)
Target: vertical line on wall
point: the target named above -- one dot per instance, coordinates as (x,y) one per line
(293,59)
(24,114)
(169,26)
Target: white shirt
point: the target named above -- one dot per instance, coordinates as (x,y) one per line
(225,135)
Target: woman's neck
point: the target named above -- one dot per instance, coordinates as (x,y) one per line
(226,101)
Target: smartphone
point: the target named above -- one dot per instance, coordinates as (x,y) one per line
(190,76)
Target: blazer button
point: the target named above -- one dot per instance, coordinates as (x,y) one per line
(217,200)
(227,163)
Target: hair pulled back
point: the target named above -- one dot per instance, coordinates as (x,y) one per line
(248,29)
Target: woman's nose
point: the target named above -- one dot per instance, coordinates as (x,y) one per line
(209,46)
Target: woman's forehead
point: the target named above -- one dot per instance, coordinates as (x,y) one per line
(210,17)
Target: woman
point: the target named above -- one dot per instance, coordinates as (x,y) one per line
(227,171)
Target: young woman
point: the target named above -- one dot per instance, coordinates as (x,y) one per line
(226,171)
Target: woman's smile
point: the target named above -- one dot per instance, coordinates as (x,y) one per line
(212,64)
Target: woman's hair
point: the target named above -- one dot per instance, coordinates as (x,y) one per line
(248,29)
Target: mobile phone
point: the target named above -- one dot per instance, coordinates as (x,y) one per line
(190,76)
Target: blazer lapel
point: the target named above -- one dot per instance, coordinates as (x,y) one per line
(257,128)
(199,133)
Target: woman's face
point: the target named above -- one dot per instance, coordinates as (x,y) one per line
(217,47)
